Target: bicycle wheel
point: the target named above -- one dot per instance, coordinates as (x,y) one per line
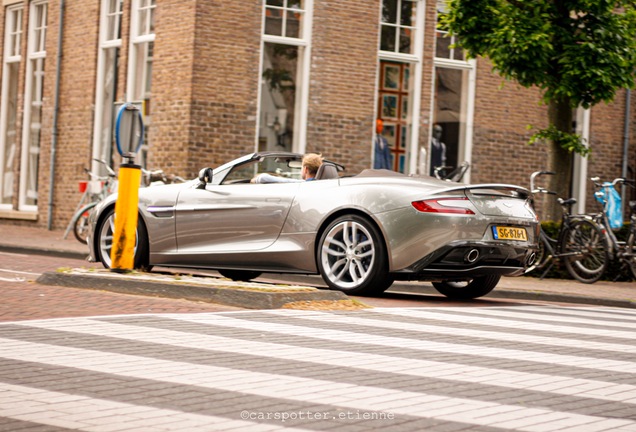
(543,255)
(585,251)
(80,226)
(631,251)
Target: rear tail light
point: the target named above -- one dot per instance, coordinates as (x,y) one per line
(444,205)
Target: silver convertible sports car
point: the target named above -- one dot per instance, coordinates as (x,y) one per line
(360,232)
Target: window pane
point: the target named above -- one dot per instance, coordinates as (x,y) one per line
(274,22)
(389,11)
(146,20)
(15,32)
(294,21)
(8,176)
(143,71)
(406,38)
(274,3)
(278,96)
(39,31)
(407,15)
(442,45)
(295,4)
(111,57)
(387,38)
(450,113)
(35,127)
(113,19)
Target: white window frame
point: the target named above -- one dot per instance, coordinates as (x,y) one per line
(466,153)
(12,56)
(299,144)
(32,55)
(139,37)
(105,44)
(416,61)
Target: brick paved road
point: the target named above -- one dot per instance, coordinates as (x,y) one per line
(530,368)
(24,299)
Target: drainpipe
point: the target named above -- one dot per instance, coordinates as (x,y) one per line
(58,73)
(625,146)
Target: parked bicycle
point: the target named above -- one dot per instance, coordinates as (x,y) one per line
(611,218)
(454,175)
(100,188)
(94,191)
(580,244)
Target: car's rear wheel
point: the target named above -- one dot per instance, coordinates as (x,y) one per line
(467,290)
(352,257)
(105,231)
(240,275)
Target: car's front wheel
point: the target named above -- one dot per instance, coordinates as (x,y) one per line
(104,238)
(352,257)
(467,290)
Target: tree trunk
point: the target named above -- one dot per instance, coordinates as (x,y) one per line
(559,159)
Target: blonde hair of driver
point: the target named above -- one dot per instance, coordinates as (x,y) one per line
(312,162)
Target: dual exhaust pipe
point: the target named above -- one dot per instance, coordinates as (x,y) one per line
(472,256)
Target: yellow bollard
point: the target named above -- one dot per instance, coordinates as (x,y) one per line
(122,253)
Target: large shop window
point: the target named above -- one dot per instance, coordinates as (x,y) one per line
(9,103)
(142,30)
(284,75)
(105,92)
(33,97)
(400,51)
(453,104)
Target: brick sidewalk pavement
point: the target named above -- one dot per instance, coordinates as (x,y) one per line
(603,292)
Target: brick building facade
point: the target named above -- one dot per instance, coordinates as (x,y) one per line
(217,80)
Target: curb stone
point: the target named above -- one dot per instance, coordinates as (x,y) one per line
(209,289)
(562,298)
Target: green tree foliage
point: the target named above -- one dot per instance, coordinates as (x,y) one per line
(578,52)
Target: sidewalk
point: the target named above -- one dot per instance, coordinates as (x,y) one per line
(620,294)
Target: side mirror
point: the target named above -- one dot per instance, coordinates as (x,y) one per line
(205,177)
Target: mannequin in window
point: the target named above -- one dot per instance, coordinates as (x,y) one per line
(382,154)
(438,150)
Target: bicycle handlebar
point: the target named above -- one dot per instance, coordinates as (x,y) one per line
(536,174)
(108,168)
(597,181)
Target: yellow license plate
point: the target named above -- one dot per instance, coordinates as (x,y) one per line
(509,233)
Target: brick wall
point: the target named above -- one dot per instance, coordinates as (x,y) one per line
(502,113)
(343,80)
(76,110)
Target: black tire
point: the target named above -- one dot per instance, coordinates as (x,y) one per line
(352,257)
(240,275)
(104,242)
(81,227)
(631,250)
(586,251)
(467,290)
(541,257)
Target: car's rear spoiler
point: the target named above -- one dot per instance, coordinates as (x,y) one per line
(521,192)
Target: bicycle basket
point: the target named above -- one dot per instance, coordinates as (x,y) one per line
(611,200)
